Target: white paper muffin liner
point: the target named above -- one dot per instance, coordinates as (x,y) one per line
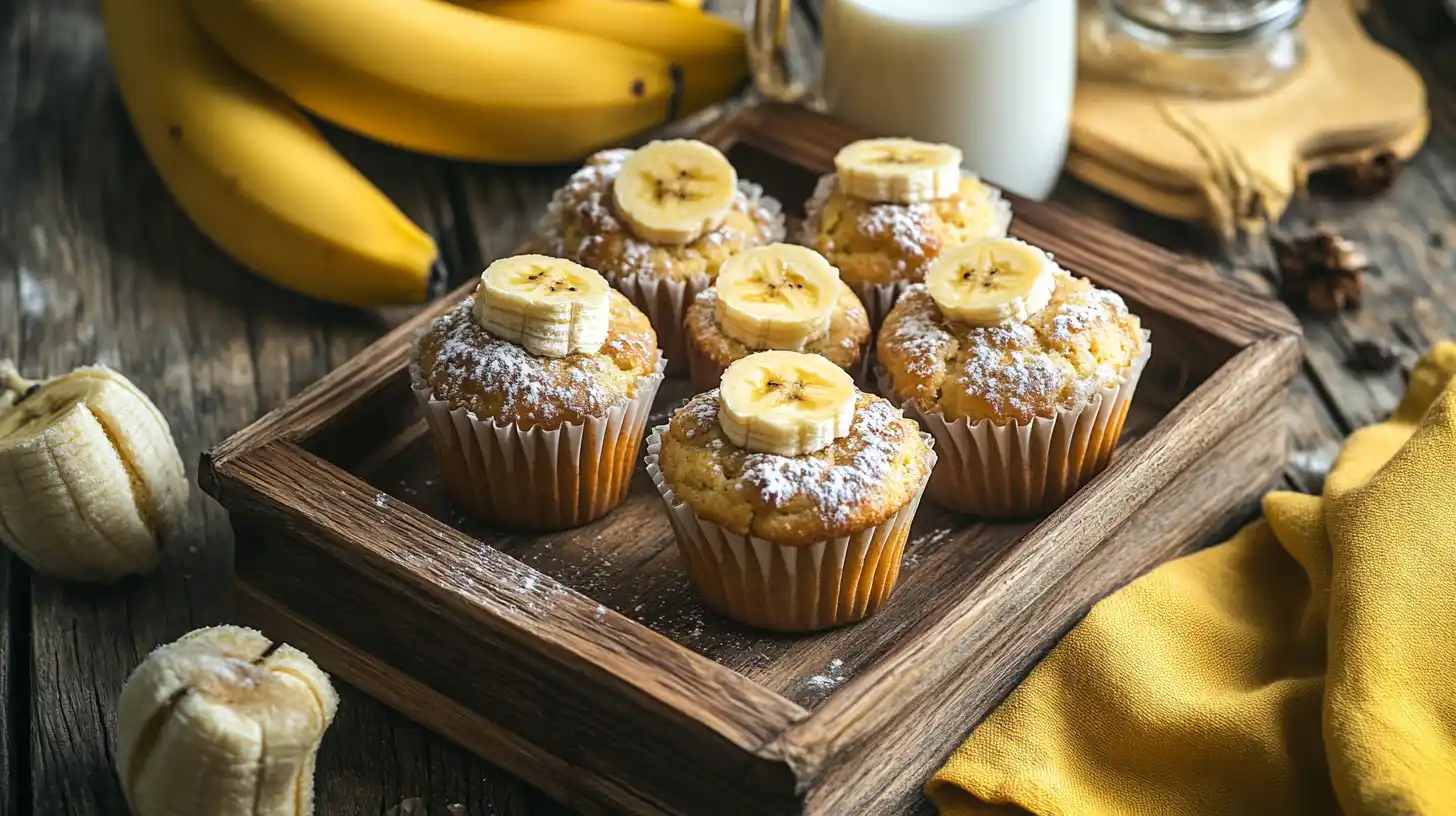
(1024,469)
(532,478)
(879,298)
(787,589)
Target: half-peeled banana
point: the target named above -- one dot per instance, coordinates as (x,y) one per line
(778,296)
(222,722)
(786,403)
(672,192)
(991,281)
(898,171)
(90,478)
(549,306)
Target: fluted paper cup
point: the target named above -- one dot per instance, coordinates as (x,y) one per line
(532,478)
(1024,469)
(788,589)
(665,302)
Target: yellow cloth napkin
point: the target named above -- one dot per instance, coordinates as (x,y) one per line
(1308,665)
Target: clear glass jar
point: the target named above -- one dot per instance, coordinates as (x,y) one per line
(1215,48)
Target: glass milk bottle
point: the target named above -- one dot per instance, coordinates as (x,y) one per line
(992,77)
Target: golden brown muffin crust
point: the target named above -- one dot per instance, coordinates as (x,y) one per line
(466,366)
(857,482)
(581,224)
(849,329)
(883,243)
(1083,341)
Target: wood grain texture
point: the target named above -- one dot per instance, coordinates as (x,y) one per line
(387,567)
(96,263)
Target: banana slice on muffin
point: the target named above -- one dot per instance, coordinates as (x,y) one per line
(671,192)
(899,171)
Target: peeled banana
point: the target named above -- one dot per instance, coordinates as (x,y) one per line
(223,722)
(252,173)
(671,192)
(549,306)
(785,403)
(991,281)
(778,296)
(446,80)
(899,171)
(90,478)
(709,50)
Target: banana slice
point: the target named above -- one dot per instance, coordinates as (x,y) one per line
(898,171)
(223,722)
(90,478)
(549,306)
(778,296)
(991,281)
(671,192)
(785,402)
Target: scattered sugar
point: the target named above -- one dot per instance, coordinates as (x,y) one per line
(921,336)
(836,663)
(821,682)
(601,612)
(529,583)
(381,500)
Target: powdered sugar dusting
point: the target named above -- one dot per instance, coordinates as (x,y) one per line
(541,388)
(585,202)
(921,336)
(835,479)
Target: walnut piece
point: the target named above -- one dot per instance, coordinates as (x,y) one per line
(1322,272)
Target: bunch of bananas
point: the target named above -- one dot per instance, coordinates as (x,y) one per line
(214,90)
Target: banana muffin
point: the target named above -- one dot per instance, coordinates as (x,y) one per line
(658,222)
(1000,338)
(891,207)
(778,296)
(536,390)
(790,492)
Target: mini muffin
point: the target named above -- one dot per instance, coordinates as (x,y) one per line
(658,222)
(778,296)
(790,492)
(1021,370)
(890,208)
(536,391)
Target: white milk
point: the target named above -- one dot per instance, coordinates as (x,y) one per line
(992,77)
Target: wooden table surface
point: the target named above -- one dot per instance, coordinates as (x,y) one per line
(98,264)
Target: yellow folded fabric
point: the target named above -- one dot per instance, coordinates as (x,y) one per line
(1308,665)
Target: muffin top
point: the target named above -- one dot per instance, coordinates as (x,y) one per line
(1082,341)
(880,243)
(582,224)
(468,367)
(849,329)
(859,480)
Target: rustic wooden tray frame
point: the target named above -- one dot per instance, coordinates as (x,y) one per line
(603,712)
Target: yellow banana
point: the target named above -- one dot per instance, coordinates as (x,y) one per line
(438,78)
(710,50)
(252,173)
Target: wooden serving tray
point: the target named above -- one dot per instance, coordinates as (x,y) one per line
(582,662)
